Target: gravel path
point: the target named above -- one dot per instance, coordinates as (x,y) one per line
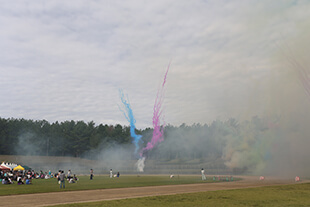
(54,198)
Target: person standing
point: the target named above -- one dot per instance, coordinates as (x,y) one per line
(91,174)
(203,177)
(111,173)
(62,178)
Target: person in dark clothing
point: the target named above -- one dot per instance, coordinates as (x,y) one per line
(91,174)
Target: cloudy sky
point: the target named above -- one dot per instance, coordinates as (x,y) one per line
(67,60)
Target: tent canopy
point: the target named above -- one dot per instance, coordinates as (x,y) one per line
(2,167)
(26,167)
(19,167)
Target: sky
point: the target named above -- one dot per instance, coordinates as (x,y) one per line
(65,60)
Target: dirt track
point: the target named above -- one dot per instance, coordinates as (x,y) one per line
(46,199)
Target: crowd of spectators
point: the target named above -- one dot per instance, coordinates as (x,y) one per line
(25,177)
(21,177)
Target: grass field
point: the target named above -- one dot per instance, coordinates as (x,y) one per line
(284,195)
(82,166)
(99,182)
(276,196)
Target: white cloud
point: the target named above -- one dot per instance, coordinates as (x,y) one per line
(62,61)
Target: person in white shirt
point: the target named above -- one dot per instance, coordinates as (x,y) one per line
(203,177)
(69,174)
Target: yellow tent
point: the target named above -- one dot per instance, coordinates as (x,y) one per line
(19,167)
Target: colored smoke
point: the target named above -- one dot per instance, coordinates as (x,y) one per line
(280,145)
(130,118)
(158,131)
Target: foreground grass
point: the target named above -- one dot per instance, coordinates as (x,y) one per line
(287,195)
(99,182)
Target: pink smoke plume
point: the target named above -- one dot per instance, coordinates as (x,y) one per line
(158,129)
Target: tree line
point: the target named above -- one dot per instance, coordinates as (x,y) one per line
(68,138)
(78,138)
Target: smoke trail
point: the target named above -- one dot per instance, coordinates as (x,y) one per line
(158,129)
(301,70)
(140,164)
(129,116)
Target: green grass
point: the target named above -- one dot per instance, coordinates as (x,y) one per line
(275,196)
(99,182)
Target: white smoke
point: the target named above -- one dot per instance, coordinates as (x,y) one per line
(140,164)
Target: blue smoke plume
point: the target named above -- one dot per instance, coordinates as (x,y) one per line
(129,116)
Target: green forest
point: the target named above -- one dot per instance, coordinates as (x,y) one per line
(80,139)
(68,138)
